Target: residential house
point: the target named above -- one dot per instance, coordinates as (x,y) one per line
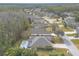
(70,21)
(37,42)
(53,19)
(77,30)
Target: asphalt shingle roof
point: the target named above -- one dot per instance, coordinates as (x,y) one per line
(39,42)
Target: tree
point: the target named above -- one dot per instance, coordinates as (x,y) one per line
(77,18)
(12,24)
(55,28)
(20,52)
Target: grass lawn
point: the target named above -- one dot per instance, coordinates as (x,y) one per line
(72,34)
(42,53)
(54,52)
(66,29)
(49,29)
(59,52)
(56,39)
(61,24)
(76,42)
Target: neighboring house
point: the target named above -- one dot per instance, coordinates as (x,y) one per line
(68,13)
(37,42)
(50,14)
(70,21)
(52,19)
(77,24)
(77,30)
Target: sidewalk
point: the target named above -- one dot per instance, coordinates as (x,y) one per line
(70,32)
(60,46)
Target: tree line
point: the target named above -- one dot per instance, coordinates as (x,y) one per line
(11,27)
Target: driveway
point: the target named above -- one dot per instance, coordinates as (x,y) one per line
(60,46)
(72,48)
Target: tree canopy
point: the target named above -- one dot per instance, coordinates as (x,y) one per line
(12,24)
(20,52)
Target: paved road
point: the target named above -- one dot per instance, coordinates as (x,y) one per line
(72,48)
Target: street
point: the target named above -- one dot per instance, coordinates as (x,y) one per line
(72,48)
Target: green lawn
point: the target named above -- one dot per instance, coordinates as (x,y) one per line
(53,52)
(76,42)
(66,29)
(56,8)
(59,52)
(49,29)
(56,39)
(72,34)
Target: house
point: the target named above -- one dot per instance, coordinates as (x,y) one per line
(68,13)
(48,14)
(53,19)
(77,30)
(37,42)
(70,21)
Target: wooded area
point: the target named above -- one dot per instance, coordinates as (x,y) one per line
(12,24)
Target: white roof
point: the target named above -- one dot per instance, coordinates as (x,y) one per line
(24,44)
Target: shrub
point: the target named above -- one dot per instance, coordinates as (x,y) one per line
(20,52)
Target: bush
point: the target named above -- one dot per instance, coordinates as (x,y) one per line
(55,53)
(20,52)
(45,48)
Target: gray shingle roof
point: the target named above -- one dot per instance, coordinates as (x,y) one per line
(39,42)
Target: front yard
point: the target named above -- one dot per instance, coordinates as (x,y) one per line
(53,52)
(76,42)
(56,39)
(74,34)
(66,29)
(49,29)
